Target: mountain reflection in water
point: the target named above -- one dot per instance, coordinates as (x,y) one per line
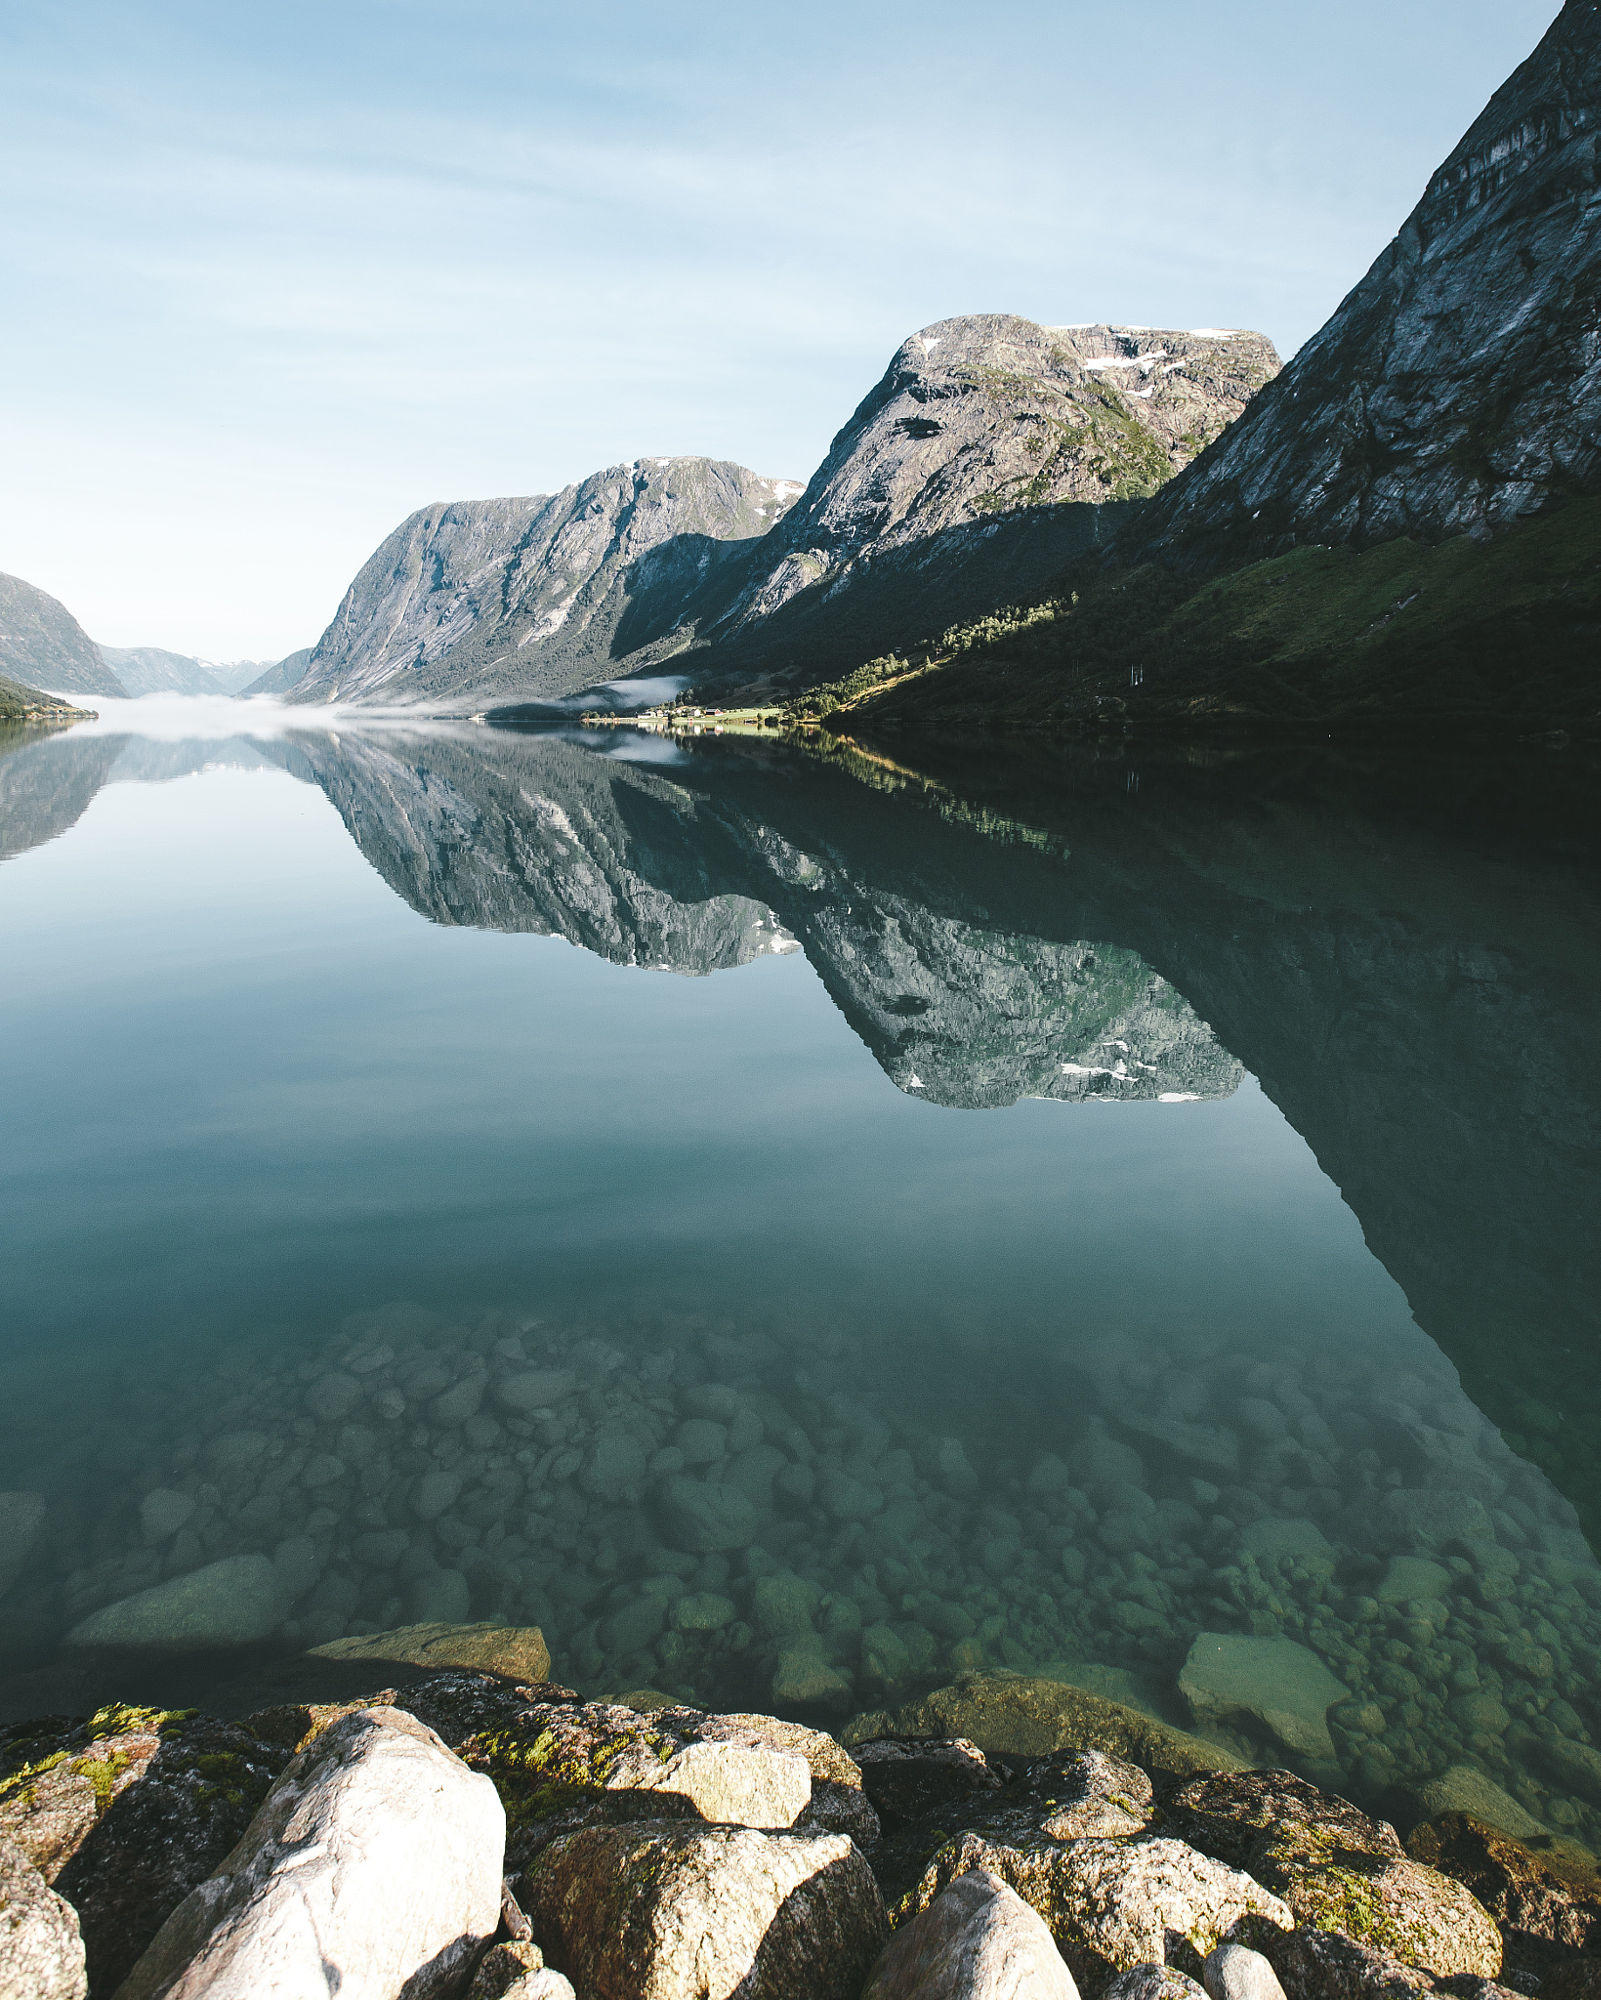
(1411,978)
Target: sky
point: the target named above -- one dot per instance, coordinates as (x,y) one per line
(273,277)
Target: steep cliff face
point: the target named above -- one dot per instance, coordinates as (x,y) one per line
(991,451)
(1458,388)
(43,646)
(537,597)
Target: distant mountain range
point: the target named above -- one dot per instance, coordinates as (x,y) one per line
(152,670)
(991,451)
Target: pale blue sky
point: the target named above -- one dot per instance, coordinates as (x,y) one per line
(277,275)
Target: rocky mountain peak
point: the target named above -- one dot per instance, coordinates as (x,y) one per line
(483,596)
(986,415)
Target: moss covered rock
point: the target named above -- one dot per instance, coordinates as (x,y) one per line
(125,1812)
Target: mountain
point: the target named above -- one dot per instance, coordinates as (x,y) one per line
(149,670)
(26,705)
(280,676)
(1406,524)
(537,597)
(991,451)
(43,646)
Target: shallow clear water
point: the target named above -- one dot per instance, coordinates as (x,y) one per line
(962,1246)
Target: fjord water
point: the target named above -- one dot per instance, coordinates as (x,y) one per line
(1053,1219)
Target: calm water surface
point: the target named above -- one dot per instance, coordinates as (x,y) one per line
(1074,1219)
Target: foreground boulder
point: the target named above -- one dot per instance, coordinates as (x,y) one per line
(1338,1869)
(1016,1715)
(840,1801)
(373,1867)
(562,1764)
(1542,1913)
(1112,1905)
(1235,1972)
(1325,1965)
(977,1940)
(672,1910)
(1152,1982)
(126,1812)
(41,1953)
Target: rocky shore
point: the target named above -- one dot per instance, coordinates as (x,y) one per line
(478,1836)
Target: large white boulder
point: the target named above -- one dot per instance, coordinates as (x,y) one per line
(373,1868)
(977,1940)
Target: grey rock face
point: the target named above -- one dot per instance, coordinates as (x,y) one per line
(537,596)
(663,1911)
(563,1764)
(41,1953)
(982,460)
(375,1863)
(1113,1904)
(1459,385)
(44,646)
(977,1940)
(1328,1965)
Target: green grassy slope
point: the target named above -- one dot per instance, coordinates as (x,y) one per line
(1463,635)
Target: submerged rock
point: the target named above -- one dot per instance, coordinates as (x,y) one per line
(1462,1789)
(21,1522)
(41,1953)
(233,1602)
(1011,1714)
(674,1911)
(1276,1682)
(374,1866)
(518,1652)
(977,1940)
